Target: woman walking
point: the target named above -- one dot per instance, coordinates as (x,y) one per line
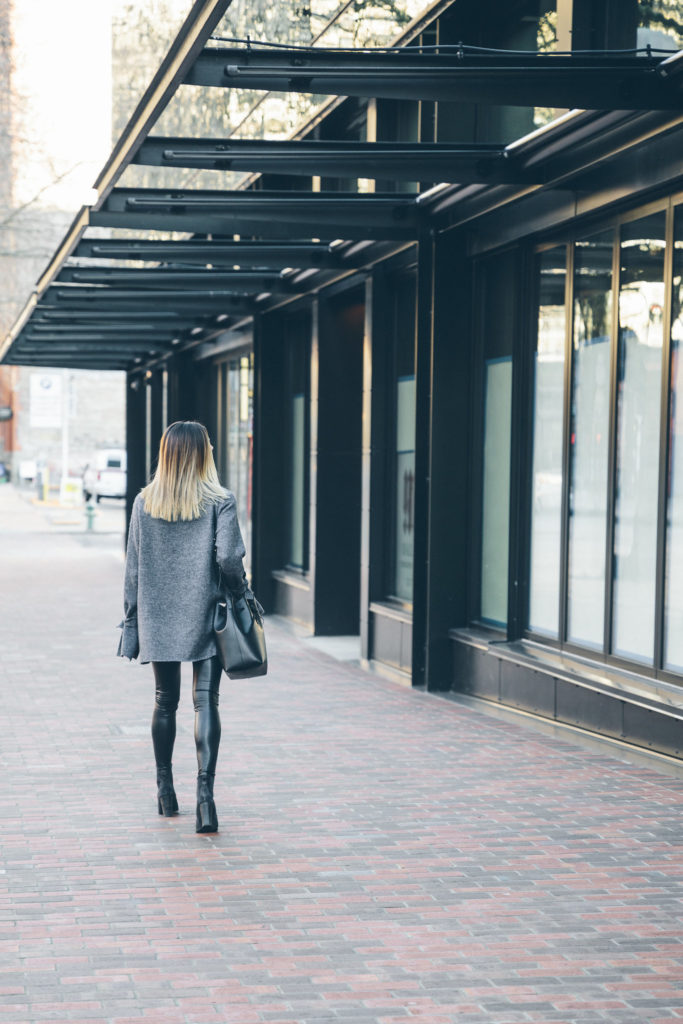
(183,528)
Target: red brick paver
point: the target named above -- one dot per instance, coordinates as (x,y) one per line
(384,856)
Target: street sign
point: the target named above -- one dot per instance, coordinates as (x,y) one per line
(5,412)
(46,400)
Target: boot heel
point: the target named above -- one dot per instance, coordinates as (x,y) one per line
(168,804)
(207,819)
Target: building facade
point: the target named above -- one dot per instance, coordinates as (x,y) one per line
(458,439)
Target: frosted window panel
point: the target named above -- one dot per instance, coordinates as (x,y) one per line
(546,474)
(641,303)
(589,440)
(673,622)
(496,490)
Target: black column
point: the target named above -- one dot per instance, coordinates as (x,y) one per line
(202,401)
(449,458)
(269,457)
(181,389)
(156,385)
(135,441)
(604,24)
(423,389)
(337,485)
(374,484)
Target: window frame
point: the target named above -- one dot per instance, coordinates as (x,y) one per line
(574,233)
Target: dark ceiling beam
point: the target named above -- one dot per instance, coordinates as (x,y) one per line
(118,342)
(161,318)
(38,328)
(102,297)
(614,81)
(397,161)
(276,214)
(262,255)
(139,301)
(75,360)
(239,282)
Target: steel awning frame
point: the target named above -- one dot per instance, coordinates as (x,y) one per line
(592,81)
(196,252)
(286,214)
(394,217)
(396,161)
(180,280)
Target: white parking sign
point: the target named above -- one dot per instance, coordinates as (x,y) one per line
(46,400)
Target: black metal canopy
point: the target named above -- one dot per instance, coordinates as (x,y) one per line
(593,81)
(118,302)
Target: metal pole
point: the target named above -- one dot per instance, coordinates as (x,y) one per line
(65,430)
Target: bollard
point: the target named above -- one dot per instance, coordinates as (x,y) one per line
(89,515)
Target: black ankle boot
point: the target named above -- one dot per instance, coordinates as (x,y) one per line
(207,819)
(166,798)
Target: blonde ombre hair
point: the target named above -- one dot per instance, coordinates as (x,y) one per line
(185,482)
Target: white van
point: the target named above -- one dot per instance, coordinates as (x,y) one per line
(105,475)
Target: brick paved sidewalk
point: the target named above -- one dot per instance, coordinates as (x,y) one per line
(384,856)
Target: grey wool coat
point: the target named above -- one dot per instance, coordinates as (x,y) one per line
(171,581)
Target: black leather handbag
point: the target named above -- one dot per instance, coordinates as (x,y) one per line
(240,636)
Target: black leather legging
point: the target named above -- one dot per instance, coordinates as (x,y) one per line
(206,677)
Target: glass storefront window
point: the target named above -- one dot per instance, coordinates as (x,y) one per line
(297,426)
(496,490)
(673,620)
(405,485)
(296,537)
(546,473)
(401,586)
(498,316)
(589,439)
(641,306)
(618,473)
(236,395)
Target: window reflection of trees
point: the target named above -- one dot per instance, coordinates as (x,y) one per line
(663,17)
(589,435)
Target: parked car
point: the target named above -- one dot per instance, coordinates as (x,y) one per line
(105,475)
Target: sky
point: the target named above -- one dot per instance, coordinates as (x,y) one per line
(63,80)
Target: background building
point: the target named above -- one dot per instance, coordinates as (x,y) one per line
(61,108)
